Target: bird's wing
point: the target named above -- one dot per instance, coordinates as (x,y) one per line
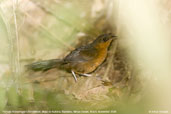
(81,54)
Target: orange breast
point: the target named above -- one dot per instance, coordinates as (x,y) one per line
(90,66)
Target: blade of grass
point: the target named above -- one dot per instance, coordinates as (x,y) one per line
(51,13)
(9,37)
(17,61)
(53,35)
(110,60)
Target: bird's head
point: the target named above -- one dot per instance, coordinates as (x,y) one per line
(103,41)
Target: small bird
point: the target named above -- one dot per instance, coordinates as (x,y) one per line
(82,61)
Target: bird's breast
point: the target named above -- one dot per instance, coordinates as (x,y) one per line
(90,66)
(100,57)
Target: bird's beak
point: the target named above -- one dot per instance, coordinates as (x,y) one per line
(113,37)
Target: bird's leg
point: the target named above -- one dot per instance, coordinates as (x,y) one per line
(74,75)
(87,75)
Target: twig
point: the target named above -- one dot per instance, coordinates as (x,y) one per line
(17,61)
(110,61)
(52,34)
(9,36)
(50,13)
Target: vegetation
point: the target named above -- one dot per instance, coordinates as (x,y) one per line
(33,30)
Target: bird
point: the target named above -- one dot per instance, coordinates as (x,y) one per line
(81,61)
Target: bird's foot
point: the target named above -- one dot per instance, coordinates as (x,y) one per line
(74,75)
(87,75)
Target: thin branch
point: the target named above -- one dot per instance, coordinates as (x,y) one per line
(105,77)
(9,36)
(52,34)
(50,13)
(17,38)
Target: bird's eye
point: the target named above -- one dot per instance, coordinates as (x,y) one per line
(105,39)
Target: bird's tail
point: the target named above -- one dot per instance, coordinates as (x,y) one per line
(44,65)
